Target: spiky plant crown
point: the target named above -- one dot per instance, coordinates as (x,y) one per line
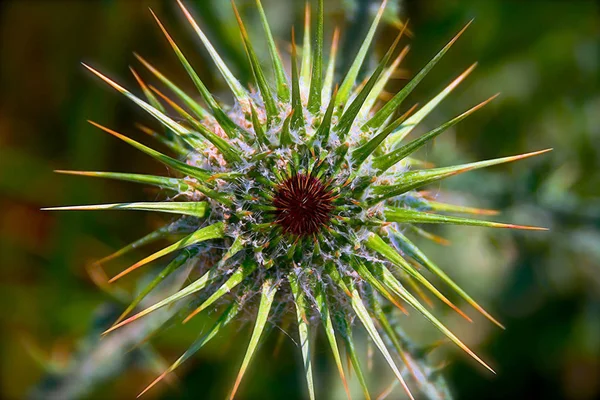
(300,193)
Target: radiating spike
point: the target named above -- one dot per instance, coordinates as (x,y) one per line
(391,282)
(415,179)
(305,71)
(365,319)
(444,207)
(230,128)
(162,182)
(259,130)
(352,74)
(414,251)
(181,259)
(388,109)
(365,274)
(238,90)
(283,91)
(429,236)
(227,316)
(182,132)
(149,95)
(316,82)
(235,279)
(285,136)
(391,334)
(303,328)
(402,215)
(192,288)
(380,85)
(266,300)
(177,165)
(195,209)
(360,154)
(410,124)
(351,352)
(259,75)
(377,244)
(325,313)
(297,119)
(196,108)
(329,74)
(179,147)
(226,149)
(349,115)
(152,237)
(322,133)
(215,231)
(386,161)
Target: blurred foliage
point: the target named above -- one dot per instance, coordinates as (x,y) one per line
(543,56)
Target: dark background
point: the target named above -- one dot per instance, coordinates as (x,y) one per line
(543,56)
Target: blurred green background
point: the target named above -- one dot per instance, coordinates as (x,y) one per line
(543,56)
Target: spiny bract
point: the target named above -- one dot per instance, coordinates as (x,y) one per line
(302,193)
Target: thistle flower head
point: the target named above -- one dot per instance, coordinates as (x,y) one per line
(300,192)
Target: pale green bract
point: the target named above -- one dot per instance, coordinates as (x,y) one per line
(345,263)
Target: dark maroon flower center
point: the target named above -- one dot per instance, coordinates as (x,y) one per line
(303,205)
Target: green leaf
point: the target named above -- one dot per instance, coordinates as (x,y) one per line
(177,185)
(225,318)
(303,328)
(266,300)
(414,179)
(350,79)
(386,161)
(214,231)
(283,91)
(247,267)
(388,109)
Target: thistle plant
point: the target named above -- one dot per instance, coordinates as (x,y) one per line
(295,202)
